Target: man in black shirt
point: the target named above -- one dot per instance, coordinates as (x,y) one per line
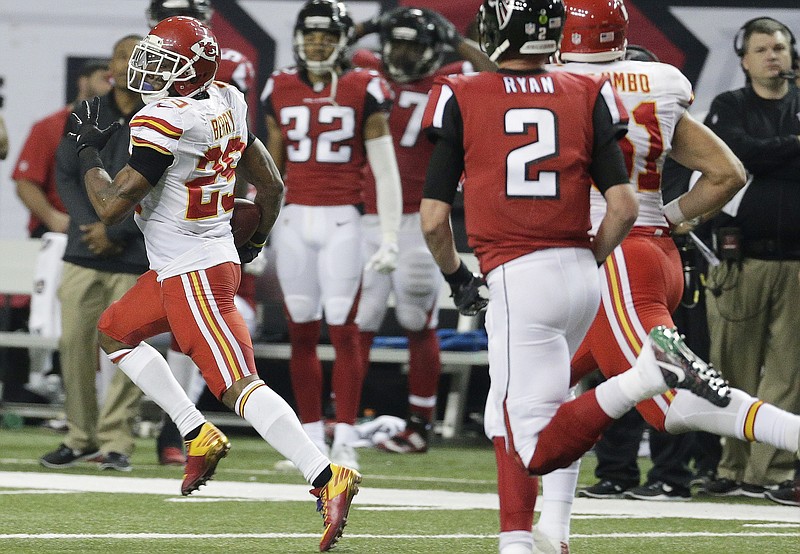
(751,297)
(100,264)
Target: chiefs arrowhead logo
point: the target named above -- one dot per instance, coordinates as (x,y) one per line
(206,48)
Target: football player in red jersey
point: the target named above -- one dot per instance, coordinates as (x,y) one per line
(325,124)
(188,143)
(412,42)
(642,280)
(530,144)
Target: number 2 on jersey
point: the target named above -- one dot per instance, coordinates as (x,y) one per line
(519,161)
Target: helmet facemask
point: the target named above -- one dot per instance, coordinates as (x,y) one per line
(407,61)
(411,44)
(152,70)
(318,67)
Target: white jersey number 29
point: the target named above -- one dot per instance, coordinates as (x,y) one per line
(519,161)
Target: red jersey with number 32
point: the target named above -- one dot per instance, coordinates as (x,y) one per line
(324,136)
(412,149)
(528,141)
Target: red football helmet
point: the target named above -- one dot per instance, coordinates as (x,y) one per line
(594,31)
(179,57)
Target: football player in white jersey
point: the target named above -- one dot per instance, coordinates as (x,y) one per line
(187,145)
(642,280)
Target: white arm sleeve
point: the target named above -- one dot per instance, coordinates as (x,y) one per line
(382,161)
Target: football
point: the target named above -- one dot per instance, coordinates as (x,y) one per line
(245,220)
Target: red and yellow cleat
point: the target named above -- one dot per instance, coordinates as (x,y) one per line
(333,501)
(202,456)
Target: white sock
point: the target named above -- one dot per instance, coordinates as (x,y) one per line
(516,542)
(745,418)
(344,434)
(644,380)
(558,494)
(273,418)
(316,432)
(182,367)
(149,371)
(612,398)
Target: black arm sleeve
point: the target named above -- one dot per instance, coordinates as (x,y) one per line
(150,163)
(608,164)
(444,171)
(447,162)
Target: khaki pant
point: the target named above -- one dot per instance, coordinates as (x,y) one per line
(85,293)
(754,326)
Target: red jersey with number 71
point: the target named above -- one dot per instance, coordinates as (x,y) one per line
(324,136)
(528,140)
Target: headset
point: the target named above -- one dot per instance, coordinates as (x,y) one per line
(738,39)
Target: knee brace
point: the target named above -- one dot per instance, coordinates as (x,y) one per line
(301,309)
(337,310)
(411,318)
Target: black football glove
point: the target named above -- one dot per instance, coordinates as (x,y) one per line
(87,134)
(252,248)
(466,295)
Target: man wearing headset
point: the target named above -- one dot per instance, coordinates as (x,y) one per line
(751,296)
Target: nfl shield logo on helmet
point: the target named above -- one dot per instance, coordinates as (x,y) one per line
(575,38)
(530,28)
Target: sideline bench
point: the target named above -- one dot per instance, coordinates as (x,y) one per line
(17,263)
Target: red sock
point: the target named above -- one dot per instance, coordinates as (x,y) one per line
(365,340)
(347,371)
(576,426)
(425,367)
(517,490)
(306,370)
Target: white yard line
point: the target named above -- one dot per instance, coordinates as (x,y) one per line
(443,500)
(350,536)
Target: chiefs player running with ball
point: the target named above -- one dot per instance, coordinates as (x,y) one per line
(188,144)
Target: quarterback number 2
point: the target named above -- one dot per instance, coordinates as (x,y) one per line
(520,160)
(329,143)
